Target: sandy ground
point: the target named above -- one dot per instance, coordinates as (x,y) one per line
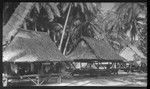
(122,79)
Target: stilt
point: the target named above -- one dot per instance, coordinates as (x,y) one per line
(5,81)
(38,81)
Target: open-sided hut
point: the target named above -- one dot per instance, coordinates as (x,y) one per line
(31,53)
(94,54)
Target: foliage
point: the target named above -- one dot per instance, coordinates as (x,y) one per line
(8,9)
(86,19)
(124,19)
(78,24)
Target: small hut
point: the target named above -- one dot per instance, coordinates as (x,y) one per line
(31,54)
(94,53)
(90,48)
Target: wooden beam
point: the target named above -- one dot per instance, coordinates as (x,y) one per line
(97,66)
(73,65)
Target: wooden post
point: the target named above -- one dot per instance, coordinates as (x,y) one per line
(5,80)
(90,64)
(59,78)
(80,65)
(98,65)
(59,74)
(38,80)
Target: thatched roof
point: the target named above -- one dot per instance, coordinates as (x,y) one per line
(82,51)
(128,54)
(137,51)
(97,49)
(102,49)
(132,53)
(30,46)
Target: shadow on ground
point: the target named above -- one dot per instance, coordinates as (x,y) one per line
(135,79)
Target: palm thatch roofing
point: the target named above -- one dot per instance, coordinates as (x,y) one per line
(30,46)
(98,49)
(132,53)
(128,54)
(82,51)
(137,51)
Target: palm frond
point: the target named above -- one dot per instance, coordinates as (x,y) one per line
(75,4)
(65,6)
(57,27)
(82,7)
(49,12)
(133,31)
(37,6)
(55,9)
(89,7)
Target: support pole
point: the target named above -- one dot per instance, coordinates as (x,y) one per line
(80,65)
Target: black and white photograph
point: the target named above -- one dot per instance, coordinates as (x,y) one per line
(74,44)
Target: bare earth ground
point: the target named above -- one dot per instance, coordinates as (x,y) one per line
(123,79)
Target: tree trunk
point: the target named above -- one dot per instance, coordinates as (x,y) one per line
(35,27)
(17,18)
(25,25)
(55,40)
(63,33)
(64,52)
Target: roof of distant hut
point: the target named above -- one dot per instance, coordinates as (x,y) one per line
(137,51)
(128,54)
(31,46)
(132,53)
(97,49)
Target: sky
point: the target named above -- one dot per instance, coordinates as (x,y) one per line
(107,6)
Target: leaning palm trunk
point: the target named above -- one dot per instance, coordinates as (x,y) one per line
(63,33)
(25,25)
(17,18)
(64,52)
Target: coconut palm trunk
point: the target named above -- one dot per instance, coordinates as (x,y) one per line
(63,33)
(25,25)
(17,18)
(64,52)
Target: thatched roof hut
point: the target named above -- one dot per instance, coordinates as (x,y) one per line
(97,49)
(30,46)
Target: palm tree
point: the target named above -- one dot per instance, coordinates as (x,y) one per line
(51,8)
(124,19)
(128,16)
(112,25)
(8,9)
(24,12)
(17,18)
(85,8)
(133,23)
(103,24)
